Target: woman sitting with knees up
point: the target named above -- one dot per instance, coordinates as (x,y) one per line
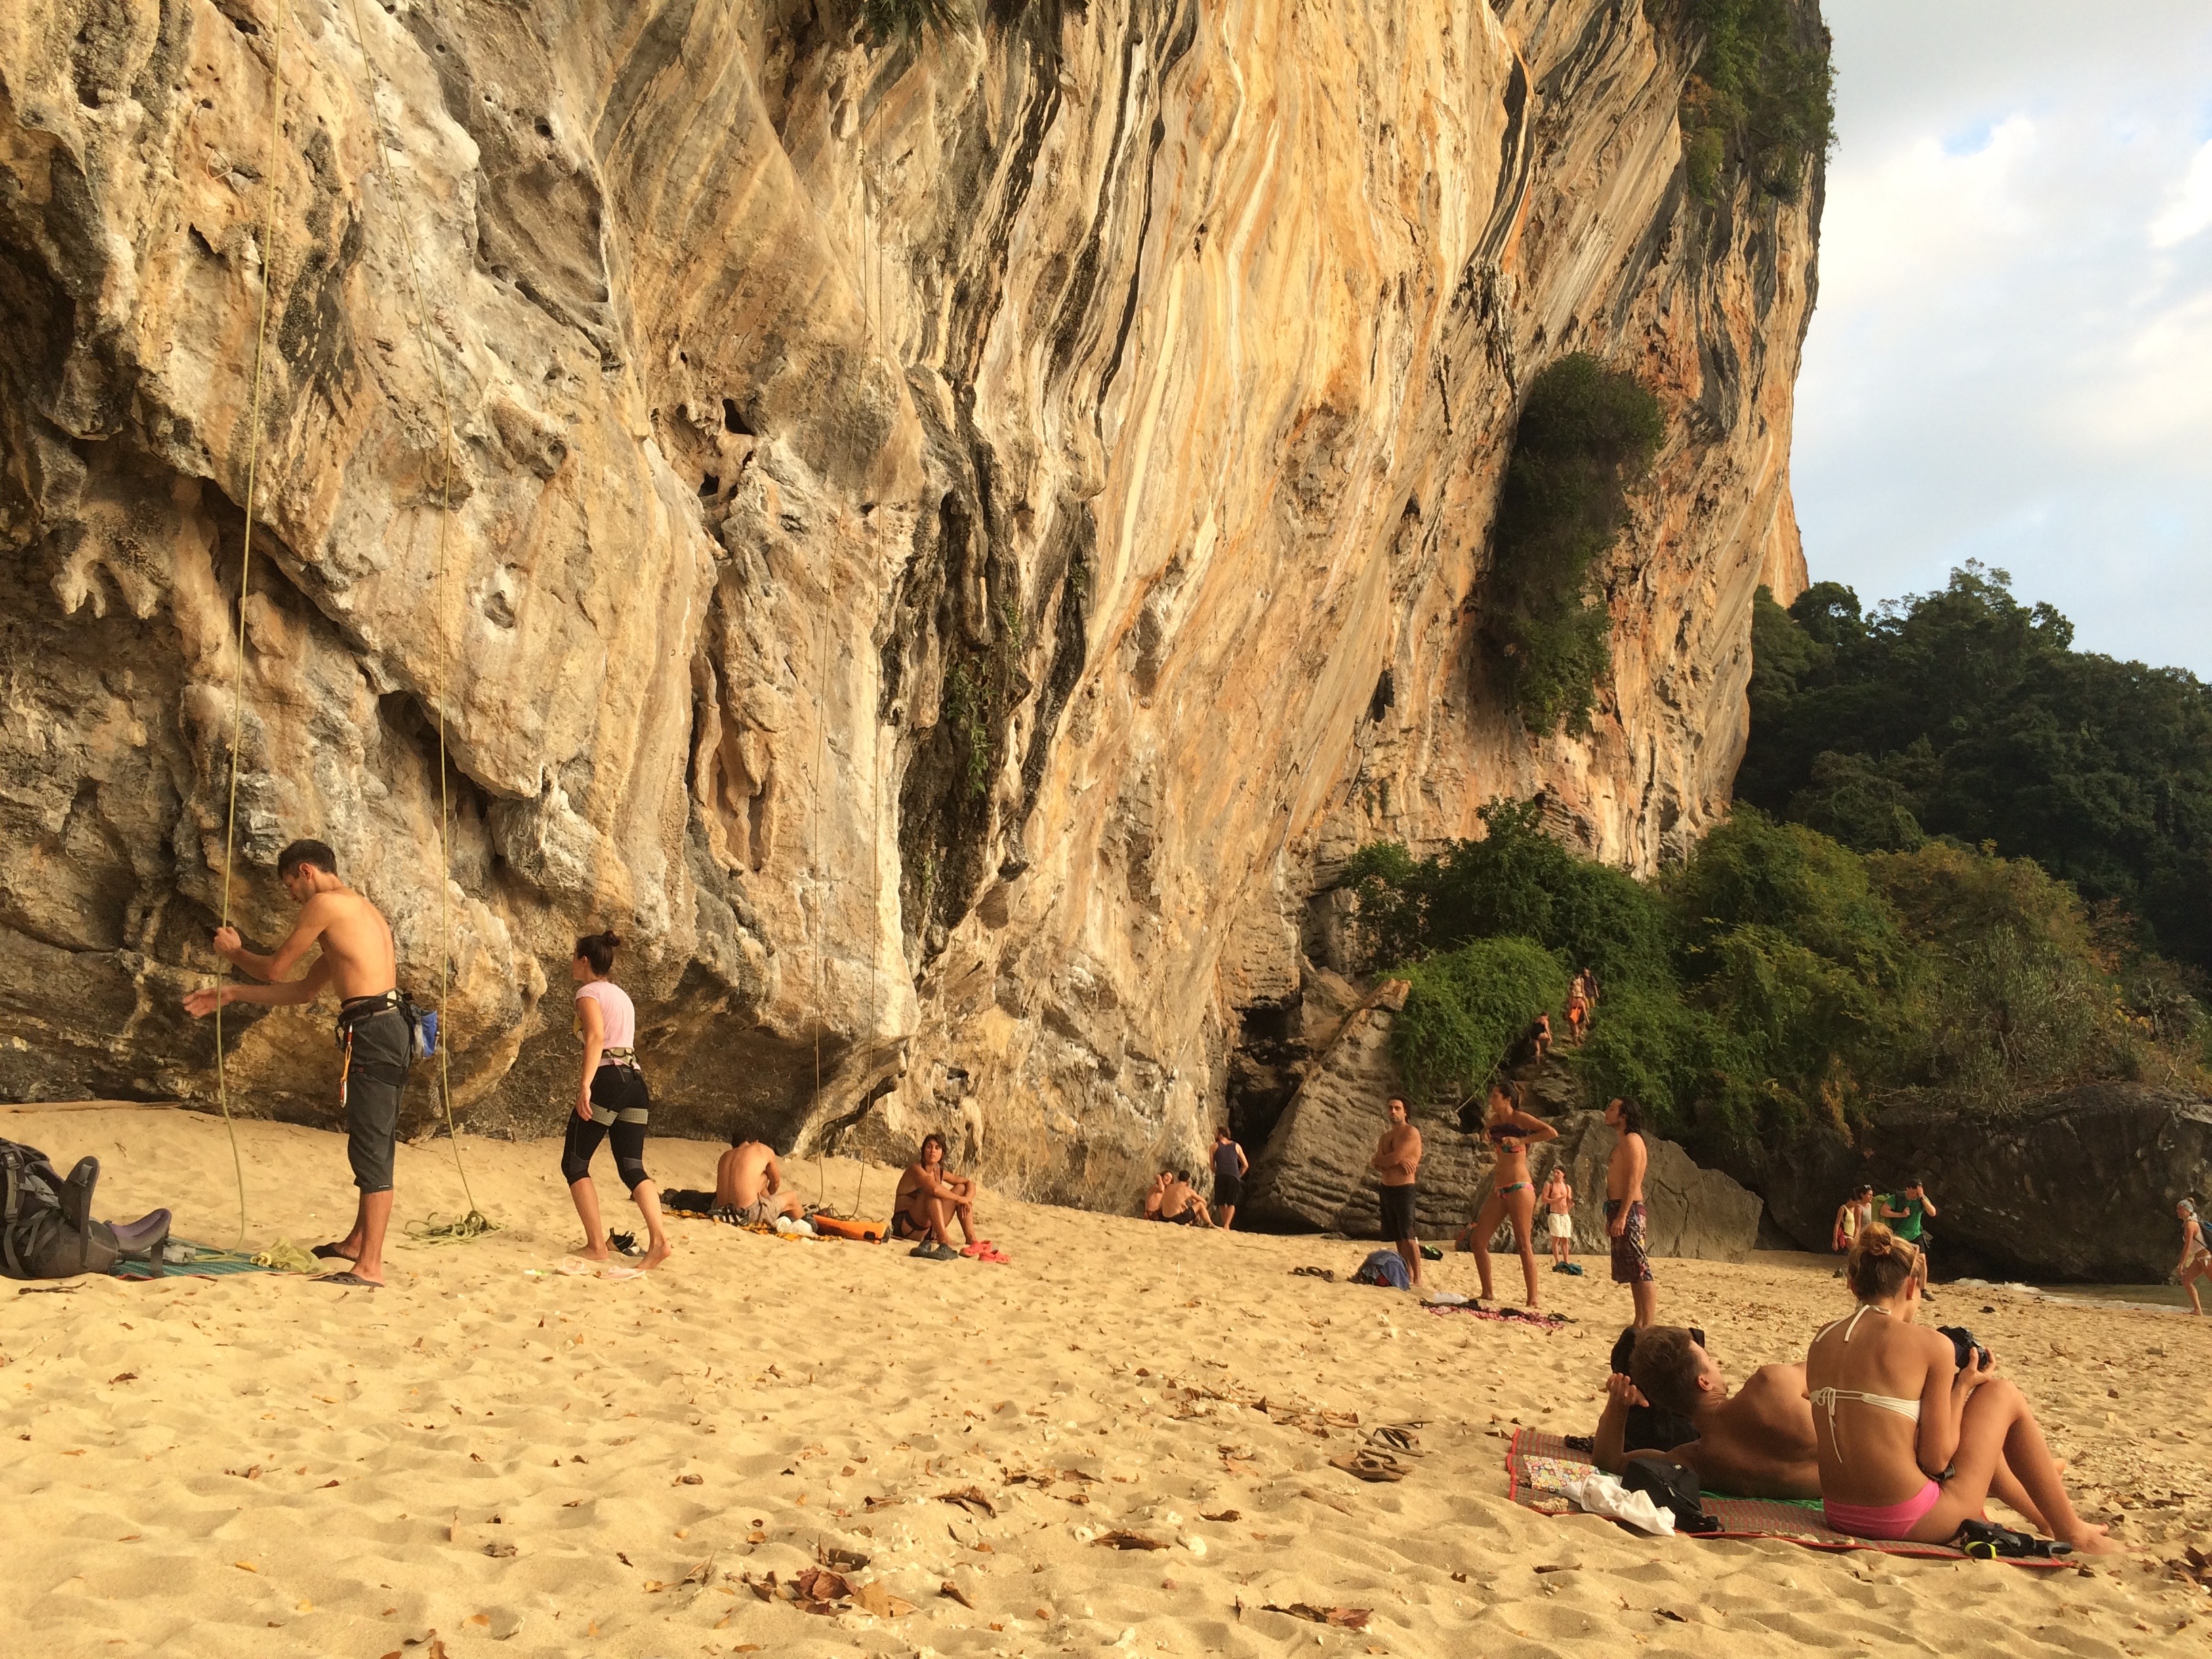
(1909,1440)
(612,1101)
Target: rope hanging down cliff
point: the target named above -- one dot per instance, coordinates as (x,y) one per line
(246,565)
(474,1223)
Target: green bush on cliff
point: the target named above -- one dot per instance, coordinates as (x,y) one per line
(1466,1008)
(1587,434)
(889,21)
(1761,98)
(1515,880)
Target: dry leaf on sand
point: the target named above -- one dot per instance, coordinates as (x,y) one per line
(1128,1540)
(951,1591)
(1340,1617)
(970,1498)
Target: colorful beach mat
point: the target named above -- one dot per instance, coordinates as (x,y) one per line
(1539,1464)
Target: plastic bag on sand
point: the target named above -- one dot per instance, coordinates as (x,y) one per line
(1601,1494)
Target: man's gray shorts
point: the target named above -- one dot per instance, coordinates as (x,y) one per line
(376,1076)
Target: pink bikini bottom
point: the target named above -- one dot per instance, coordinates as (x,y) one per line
(1885,1521)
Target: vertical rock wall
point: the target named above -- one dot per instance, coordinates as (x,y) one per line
(942,544)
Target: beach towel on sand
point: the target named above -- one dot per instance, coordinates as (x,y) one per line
(1539,1466)
(206,1263)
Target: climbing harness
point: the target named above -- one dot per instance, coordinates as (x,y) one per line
(246,570)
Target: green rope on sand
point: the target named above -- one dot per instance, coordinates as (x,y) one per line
(475,1225)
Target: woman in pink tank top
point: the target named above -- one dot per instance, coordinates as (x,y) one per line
(612,1102)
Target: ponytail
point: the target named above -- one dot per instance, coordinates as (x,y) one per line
(1880,1264)
(599,950)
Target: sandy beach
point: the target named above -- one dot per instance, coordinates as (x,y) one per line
(522,1461)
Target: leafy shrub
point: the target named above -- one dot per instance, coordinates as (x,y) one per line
(1685,1068)
(1468,1006)
(1587,434)
(1761,100)
(889,21)
(1516,880)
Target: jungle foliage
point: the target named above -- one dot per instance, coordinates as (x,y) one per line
(1760,103)
(1776,979)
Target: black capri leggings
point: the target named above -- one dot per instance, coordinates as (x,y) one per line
(619,1091)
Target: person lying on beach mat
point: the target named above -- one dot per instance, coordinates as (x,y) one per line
(1757,1442)
(928,1200)
(1916,1430)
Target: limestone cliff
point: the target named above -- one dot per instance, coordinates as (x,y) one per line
(944,543)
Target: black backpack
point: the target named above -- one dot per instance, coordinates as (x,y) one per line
(46,1227)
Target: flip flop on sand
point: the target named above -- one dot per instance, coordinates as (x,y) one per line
(987,1251)
(576,1269)
(1369,1466)
(351,1281)
(622,1273)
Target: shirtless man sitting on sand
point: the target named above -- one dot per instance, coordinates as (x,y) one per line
(928,1201)
(749,1186)
(1756,1442)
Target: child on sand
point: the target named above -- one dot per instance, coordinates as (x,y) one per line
(1559,1202)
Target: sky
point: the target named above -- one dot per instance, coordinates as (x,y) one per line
(2010,359)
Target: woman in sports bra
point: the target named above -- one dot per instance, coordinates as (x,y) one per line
(1909,1443)
(611,1104)
(1510,1132)
(2196,1253)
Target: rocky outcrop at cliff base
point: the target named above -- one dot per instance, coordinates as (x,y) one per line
(1313,1174)
(2078,1186)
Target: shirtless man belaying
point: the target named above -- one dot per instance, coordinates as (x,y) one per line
(749,1184)
(928,1201)
(1624,1209)
(359,961)
(1396,1162)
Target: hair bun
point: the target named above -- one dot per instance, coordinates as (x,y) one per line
(611,937)
(1877,1247)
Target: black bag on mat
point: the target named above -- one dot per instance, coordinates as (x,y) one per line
(46,1226)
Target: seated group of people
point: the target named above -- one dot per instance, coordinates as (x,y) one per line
(1172,1197)
(1901,1431)
(749,1190)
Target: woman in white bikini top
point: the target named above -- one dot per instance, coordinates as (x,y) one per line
(1899,1464)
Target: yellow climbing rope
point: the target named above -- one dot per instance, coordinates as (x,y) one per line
(246,569)
(474,1223)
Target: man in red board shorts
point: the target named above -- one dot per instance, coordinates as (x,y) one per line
(1624,1209)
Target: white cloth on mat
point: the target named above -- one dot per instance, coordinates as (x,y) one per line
(1600,1493)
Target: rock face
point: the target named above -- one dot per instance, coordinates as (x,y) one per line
(941,545)
(2078,1186)
(1312,1173)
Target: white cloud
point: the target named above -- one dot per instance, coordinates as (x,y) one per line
(2192,210)
(2011,359)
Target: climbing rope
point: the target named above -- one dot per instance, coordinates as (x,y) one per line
(872,315)
(246,570)
(474,1223)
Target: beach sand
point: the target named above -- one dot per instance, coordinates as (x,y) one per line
(524,1462)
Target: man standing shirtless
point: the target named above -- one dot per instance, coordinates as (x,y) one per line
(1624,1209)
(749,1186)
(1397,1159)
(358,959)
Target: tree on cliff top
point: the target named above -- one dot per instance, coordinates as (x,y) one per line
(1760,102)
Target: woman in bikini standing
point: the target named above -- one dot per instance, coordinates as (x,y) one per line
(2196,1253)
(1511,1195)
(1893,1410)
(612,1103)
